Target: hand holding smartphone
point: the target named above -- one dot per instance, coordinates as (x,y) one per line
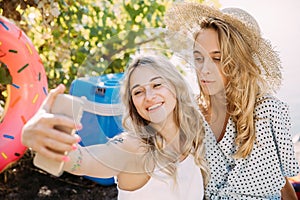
(66,105)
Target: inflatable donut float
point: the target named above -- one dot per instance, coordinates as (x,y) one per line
(26,92)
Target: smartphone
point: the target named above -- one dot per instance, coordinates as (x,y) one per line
(66,105)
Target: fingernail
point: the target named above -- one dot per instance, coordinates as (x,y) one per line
(66,158)
(78,138)
(61,85)
(78,126)
(74,147)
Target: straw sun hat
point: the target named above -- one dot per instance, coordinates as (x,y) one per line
(185,18)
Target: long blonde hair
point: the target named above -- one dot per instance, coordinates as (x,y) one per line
(245,82)
(187,118)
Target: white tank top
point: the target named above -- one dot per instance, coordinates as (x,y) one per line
(189,185)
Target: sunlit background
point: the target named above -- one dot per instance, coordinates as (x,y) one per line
(279,21)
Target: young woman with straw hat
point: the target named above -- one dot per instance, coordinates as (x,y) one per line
(248,143)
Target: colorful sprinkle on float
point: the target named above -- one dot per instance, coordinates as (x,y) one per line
(25,94)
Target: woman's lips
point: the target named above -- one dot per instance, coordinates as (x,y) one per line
(155,106)
(206,81)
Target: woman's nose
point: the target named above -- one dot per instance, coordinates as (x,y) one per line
(205,71)
(207,66)
(150,94)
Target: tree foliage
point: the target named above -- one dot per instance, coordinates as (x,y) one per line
(79,37)
(86,37)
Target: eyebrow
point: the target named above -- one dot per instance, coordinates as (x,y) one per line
(152,79)
(214,52)
(196,51)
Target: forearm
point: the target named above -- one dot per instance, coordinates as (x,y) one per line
(90,161)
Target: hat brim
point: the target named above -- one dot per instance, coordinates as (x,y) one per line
(187,16)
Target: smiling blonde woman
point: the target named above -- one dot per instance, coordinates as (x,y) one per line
(161,155)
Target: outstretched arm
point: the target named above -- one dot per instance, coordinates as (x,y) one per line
(120,154)
(90,161)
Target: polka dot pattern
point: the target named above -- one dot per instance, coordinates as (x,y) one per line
(261,174)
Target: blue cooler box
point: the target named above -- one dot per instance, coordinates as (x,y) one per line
(103,119)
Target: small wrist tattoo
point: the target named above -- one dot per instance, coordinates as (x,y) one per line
(78,162)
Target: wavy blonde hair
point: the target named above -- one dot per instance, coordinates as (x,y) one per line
(245,82)
(187,117)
